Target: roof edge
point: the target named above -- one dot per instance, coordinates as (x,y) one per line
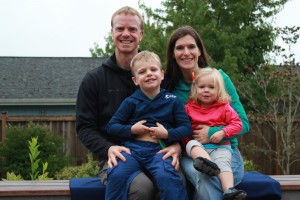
(34,102)
(59,57)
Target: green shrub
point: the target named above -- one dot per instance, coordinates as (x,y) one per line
(14,150)
(89,169)
(12,177)
(34,161)
(250,166)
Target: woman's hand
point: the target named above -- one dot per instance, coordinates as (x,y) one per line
(173,151)
(201,134)
(114,152)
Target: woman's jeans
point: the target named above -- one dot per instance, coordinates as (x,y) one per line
(209,187)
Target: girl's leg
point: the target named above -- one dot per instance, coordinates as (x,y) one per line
(202,160)
(207,187)
(226,179)
(222,157)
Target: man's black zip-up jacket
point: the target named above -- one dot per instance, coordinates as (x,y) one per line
(101,92)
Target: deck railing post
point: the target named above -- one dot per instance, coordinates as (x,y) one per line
(3,125)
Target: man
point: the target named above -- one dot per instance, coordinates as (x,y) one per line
(102,91)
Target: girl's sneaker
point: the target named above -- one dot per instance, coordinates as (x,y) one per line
(206,166)
(234,194)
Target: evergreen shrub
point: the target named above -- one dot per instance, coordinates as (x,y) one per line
(89,169)
(14,153)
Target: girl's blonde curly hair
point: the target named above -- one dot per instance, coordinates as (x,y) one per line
(222,94)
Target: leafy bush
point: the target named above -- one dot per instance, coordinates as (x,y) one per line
(34,160)
(12,177)
(249,166)
(89,169)
(14,150)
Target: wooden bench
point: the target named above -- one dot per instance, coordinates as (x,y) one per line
(290,186)
(59,189)
(36,190)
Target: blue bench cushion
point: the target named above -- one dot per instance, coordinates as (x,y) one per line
(260,187)
(87,189)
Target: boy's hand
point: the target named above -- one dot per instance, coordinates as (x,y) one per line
(139,128)
(159,132)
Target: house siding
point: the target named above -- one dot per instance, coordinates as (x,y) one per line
(66,110)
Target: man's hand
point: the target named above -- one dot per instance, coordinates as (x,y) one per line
(159,132)
(173,150)
(139,128)
(114,152)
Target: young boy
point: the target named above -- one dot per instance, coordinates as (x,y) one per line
(149,119)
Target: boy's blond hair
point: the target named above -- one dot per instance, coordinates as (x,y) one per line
(145,56)
(127,10)
(222,94)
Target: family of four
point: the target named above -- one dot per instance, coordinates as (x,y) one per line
(156,132)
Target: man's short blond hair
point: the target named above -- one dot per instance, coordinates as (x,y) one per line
(128,10)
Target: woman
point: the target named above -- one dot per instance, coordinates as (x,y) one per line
(185,55)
